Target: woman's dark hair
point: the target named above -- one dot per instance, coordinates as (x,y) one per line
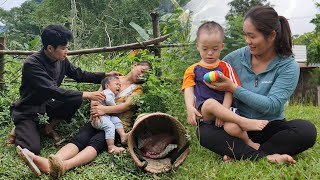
(210,27)
(55,35)
(266,19)
(107,80)
(145,63)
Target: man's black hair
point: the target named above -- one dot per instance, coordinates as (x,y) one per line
(55,35)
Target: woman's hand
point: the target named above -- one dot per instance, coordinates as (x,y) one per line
(193,115)
(98,110)
(96,120)
(224,84)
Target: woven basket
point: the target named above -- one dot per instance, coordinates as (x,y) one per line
(157,123)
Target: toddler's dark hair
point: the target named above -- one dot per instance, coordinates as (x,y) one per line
(107,80)
(210,27)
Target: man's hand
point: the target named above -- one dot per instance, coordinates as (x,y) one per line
(114,73)
(193,115)
(94,96)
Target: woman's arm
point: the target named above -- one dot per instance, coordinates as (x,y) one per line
(281,90)
(99,110)
(272,102)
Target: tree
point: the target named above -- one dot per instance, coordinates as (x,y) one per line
(96,20)
(240,7)
(234,20)
(21,25)
(312,40)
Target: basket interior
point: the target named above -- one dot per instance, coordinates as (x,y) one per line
(157,125)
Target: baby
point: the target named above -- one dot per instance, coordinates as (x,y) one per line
(111,87)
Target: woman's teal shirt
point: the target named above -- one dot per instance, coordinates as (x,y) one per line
(263,95)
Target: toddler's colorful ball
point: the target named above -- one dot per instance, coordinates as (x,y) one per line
(212,76)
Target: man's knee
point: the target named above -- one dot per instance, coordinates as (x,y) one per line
(28,134)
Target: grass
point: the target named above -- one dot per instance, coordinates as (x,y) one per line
(200,164)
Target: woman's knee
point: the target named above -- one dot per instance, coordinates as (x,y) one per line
(306,130)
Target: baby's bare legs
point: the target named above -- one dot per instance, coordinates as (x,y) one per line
(212,109)
(235,130)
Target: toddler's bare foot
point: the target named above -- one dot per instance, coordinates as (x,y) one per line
(124,138)
(227,159)
(115,149)
(281,158)
(253,124)
(255,146)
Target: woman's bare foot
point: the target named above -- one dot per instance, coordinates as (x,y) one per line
(41,162)
(115,149)
(25,155)
(252,124)
(57,167)
(281,158)
(227,159)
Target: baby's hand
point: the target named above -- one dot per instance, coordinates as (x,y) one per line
(219,123)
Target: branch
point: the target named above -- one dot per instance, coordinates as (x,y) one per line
(139,45)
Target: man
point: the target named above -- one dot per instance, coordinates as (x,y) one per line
(42,74)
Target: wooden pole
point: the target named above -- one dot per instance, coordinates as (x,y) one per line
(156,31)
(138,45)
(2,63)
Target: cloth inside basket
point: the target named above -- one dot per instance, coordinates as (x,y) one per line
(156,146)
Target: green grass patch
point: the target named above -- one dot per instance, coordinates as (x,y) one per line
(200,164)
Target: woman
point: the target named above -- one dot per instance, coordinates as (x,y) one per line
(89,141)
(269,74)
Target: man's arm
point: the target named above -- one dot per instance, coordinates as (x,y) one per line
(44,84)
(83,76)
